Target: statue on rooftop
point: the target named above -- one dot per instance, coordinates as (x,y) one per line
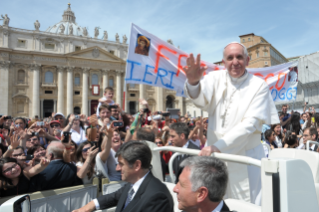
(117,38)
(124,39)
(85,32)
(71,29)
(5,19)
(96,32)
(62,28)
(37,25)
(105,36)
(170,41)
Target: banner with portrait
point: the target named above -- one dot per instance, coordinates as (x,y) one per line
(152,61)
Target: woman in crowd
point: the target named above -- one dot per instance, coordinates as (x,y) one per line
(294,125)
(270,139)
(166,155)
(37,151)
(291,141)
(278,135)
(85,155)
(15,179)
(307,123)
(74,125)
(106,161)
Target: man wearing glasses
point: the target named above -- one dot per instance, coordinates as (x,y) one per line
(310,134)
(55,129)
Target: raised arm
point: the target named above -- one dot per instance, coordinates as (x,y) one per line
(106,144)
(82,171)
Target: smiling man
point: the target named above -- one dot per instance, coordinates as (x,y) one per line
(238,104)
(143,192)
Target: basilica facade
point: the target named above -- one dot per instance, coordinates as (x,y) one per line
(64,69)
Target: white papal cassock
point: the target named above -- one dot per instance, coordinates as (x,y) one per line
(237,108)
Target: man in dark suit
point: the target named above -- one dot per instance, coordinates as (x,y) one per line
(178,134)
(202,185)
(58,174)
(143,192)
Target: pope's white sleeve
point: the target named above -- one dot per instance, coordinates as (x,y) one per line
(236,139)
(193,90)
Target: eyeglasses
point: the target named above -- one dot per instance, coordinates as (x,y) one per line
(160,142)
(305,135)
(17,155)
(86,149)
(10,169)
(55,125)
(34,139)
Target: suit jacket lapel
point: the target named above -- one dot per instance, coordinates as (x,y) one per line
(139,193)
(224,208)
(123,197)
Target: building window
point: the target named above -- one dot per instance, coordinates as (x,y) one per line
(257,54)
(265,54)
(21,76)
(20,108)
(248,39)
(132,95)
(77,110)
(111,51)
(111,82)
(95,79)
(21,43)
(49,46)
(48,78)
(243,40)
(132,85)
(77,48)
(77,79)
(76,92)
(48,92)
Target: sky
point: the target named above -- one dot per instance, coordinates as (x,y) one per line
(204,27)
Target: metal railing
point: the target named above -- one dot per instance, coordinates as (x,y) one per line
(311,142)
(223,156)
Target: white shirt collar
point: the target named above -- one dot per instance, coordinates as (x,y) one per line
(186,145)
(239,79)
(137,184)
(219,207)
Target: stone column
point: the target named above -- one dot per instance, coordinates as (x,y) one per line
(180,104)
(105,79)
(142,91)
(60,90)
(41,115)
(85,89)
(159,98)
(89,102)
(36,90)
(69,91)
(4,87)
(118,87)
(54,106)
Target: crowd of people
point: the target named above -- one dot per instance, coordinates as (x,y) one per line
(68,150)
(293,131)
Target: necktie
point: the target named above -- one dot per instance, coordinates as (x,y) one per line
(129,197)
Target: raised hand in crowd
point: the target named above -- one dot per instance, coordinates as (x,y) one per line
(194,71)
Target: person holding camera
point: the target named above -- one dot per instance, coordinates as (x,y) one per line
(74,125)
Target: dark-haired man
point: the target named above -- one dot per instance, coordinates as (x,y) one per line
(143,192)
(178,135)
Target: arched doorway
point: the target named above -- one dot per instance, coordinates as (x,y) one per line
(170,102)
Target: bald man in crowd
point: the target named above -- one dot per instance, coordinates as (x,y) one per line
(238,104)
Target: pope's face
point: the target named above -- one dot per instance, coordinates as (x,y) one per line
(235,60)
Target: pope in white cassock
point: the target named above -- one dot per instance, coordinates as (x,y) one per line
(238,104)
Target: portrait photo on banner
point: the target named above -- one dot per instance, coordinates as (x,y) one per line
(142,45)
